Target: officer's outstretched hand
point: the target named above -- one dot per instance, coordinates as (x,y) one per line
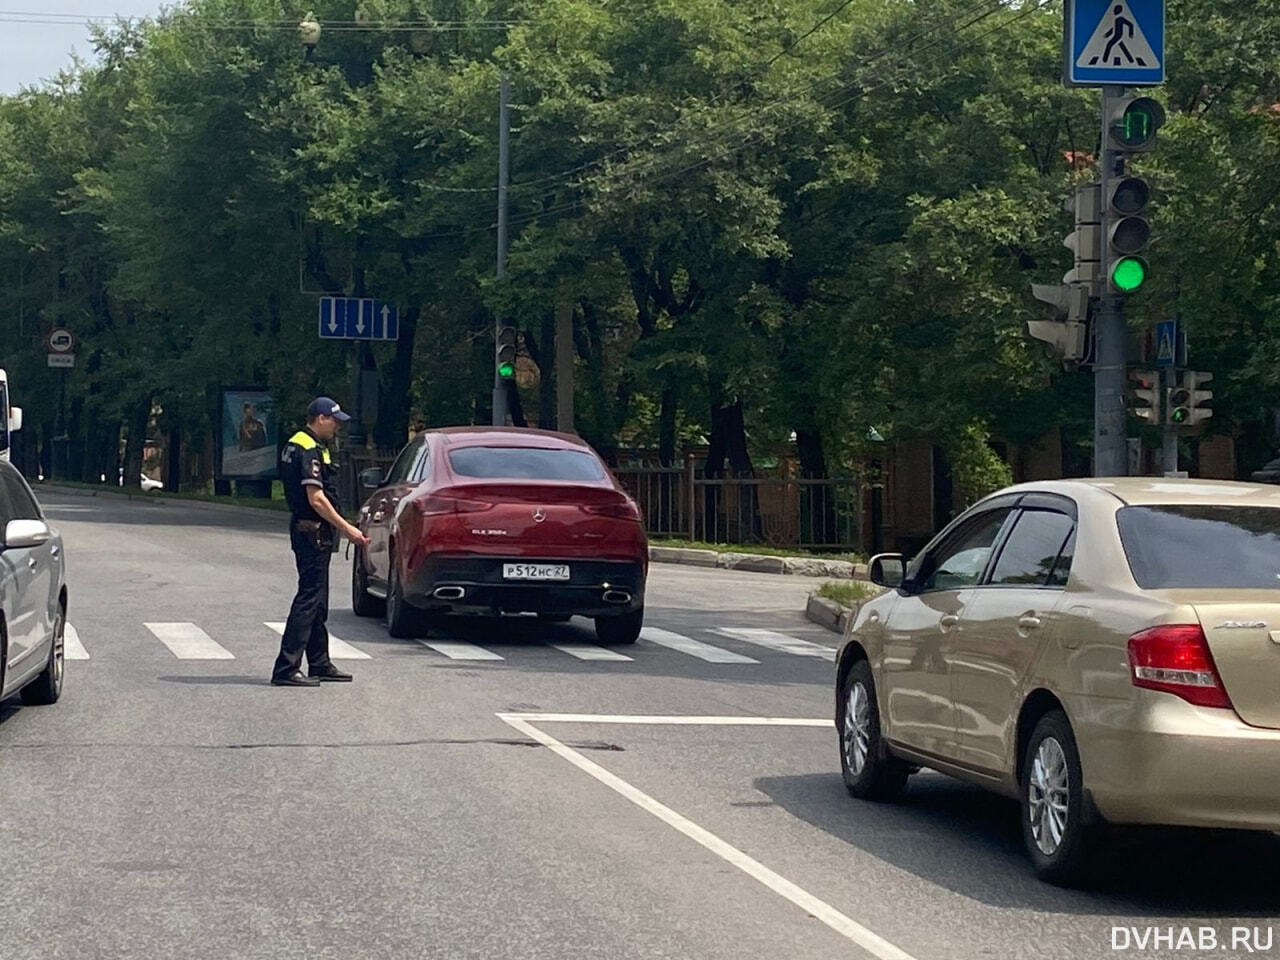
(356,536)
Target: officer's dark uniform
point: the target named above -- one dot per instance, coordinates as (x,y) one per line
(305,462)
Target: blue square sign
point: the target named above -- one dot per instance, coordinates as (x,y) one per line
(358,318)
(1118,42)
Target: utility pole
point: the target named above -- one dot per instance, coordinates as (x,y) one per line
(1110,451)
(504,174)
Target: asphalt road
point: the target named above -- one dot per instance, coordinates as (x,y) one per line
(533,806)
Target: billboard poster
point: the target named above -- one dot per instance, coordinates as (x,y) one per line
(250,434)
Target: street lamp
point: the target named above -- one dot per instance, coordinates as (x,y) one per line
(309,34)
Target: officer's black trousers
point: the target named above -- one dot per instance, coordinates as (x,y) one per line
(306,631)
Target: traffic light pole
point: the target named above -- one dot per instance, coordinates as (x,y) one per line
(504,175)
(1110,450)
(1169,452)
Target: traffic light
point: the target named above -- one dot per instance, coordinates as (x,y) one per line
(506,353)
(1067,330)
(1178,406)
(1192,381)
(1067,303)
(1186,403)
(1146,395)
(1132,124)
(1085,242)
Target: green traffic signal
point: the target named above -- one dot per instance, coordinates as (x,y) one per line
(1129,274)
(506,370)
(1135,127)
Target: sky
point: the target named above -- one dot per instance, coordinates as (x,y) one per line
(33,52)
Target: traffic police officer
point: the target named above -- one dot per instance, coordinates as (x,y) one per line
(308,475)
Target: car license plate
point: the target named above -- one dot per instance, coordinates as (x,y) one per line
(535,571)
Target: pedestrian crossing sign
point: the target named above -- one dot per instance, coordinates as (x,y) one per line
(1118,42)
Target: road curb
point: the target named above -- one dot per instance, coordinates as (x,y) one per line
(760,563)
(693,558)
(828,613)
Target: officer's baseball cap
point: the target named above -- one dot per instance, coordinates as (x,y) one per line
(326,407)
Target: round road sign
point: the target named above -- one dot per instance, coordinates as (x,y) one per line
(61,340)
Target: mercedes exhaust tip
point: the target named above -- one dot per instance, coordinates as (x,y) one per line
(449,593)
(617,596)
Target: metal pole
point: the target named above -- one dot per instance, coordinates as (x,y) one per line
(1169,452)
(504,174)
(1110,453)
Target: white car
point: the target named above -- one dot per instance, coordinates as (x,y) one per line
(33,596)
(148,484)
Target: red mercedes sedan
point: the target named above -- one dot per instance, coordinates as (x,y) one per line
(491,520)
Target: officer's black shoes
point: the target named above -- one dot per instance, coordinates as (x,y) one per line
(330,673)
(295,679)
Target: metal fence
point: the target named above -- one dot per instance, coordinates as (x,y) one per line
(679,503)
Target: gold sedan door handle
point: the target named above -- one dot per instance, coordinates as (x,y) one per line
(1029,622)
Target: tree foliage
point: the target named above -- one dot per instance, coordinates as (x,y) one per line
(775,224)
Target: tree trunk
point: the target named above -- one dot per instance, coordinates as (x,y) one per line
(393,414)
(514,406)
(548,374)
(667,427)
(817,501)
(173,461)
(734,513)
(76,445)
(135,442)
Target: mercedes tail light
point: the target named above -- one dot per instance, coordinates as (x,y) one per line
(1175,658)
(441,504)
(622,510)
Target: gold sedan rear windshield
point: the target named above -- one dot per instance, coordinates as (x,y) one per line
(1210,546)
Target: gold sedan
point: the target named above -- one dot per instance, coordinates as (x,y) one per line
(1106,651)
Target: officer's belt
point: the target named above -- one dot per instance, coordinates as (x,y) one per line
(309,526)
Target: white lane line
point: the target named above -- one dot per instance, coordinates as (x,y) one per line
(672,721)
(339,649)
(694,648)
(189,642)
(778,641)
(589,651)
(873,943)
(458,650)
(72,648)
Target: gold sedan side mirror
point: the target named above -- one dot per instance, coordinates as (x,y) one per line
(887,570)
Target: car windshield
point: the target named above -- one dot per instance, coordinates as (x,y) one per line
(525,463)
(1210,546)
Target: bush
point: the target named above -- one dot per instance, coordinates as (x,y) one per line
(976,469)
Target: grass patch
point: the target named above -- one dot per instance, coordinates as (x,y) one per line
(756,549)
(847,593)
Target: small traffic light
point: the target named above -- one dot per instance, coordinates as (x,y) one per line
(506,353)
(1178,406)
(1146,395)
(1133,123)
(1193,380)
(1186,402)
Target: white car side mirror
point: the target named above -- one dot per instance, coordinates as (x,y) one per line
(15,419)
(26,533)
